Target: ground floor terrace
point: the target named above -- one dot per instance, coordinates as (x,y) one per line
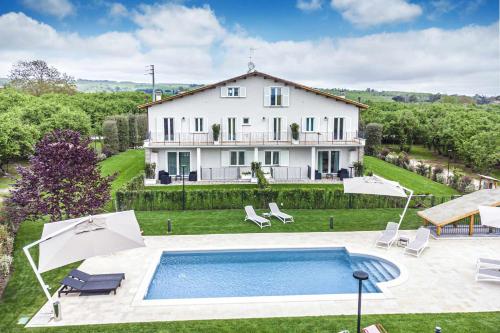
(440,281)
(279,162)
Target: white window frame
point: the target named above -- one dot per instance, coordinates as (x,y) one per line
(273,153)
(238,155)
(199,125)
(243,121)
(271,96)
(313,119)
(231,91)
(339,132)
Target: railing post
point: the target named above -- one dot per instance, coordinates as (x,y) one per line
(471,225)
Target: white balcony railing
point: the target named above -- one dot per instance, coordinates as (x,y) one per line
(252,138)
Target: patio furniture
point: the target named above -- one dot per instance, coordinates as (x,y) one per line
(388,236)
(487,274)
(343,173)
(488,263)
(164,177)
(70,285)
(403,241)
(377,328)
(276,212)
(178,177)
(193,176)
(421,241)
(259,220)
(329,176)
(82,276)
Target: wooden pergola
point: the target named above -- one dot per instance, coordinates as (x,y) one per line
(464,207)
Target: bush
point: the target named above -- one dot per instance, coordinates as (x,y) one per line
(358,169)
(142,129)
(123,132)
(132,131)
(295,131)
(110,133)
(216,131)
(438,170)
(5,263)
(373,138)
(149,170)
(421,168)
(464,184)
(384,152)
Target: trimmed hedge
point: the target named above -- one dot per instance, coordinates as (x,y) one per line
(123,132)
(110,133)
(140,199)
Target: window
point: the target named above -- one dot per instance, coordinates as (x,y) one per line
(272,158)
(338,128)
(198,124)
(276,96)
(309,124)
(175,161)
(246,121)
(237,158)
(233,91)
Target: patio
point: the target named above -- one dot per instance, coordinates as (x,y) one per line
(449,265)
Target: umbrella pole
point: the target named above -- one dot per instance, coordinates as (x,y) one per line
(37,273)
(406,206)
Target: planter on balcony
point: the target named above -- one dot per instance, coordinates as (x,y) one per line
(295,142)
(148,182)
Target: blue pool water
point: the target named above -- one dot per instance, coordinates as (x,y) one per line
(243,273)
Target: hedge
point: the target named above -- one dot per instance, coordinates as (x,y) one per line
(123,132)
(110,133)
(139,199)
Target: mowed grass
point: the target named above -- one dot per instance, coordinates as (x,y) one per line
(419,184)
(23,295)
(193,187)
(125,165)
(193,222)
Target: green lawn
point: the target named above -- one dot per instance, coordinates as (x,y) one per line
(411,180)
(191,187)
(126,165)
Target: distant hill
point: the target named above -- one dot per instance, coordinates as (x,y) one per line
(114,86)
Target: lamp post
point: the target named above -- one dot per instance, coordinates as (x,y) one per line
(360,276)
(448,173)
(183,190)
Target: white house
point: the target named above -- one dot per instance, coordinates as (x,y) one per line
(255,112)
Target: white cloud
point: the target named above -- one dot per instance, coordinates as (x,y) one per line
(191,45)
(118,10)
(309,5)
(375,12)
(58,8)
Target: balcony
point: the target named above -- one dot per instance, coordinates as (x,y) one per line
(227,139)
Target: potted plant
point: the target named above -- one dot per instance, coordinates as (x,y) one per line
(149,171)
(295,133)
(216,133)
(255,166)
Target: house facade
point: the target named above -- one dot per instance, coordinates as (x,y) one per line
(255,113)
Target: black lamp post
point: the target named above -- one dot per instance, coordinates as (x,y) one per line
(183,190)
(360,276)
(448,174)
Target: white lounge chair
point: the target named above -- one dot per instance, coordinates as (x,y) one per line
(421,241)
(276,212)
(259,220)
(485,274)
(388,236)
(488,263)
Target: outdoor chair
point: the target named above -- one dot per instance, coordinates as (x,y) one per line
(488,263)
(377,328)
(421,241)
(388,236)
(259,220)
(193,176)
(70,285)
(82,276)
(276,212)
(164,177)
(343,173)
(487,274)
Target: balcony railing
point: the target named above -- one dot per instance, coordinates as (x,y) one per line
(252,138)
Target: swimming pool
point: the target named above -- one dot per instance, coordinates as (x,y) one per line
(264,272)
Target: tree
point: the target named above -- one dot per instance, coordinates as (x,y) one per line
(37,78)
(123,132)
(373,138)
(110,133)
(132,130)
(62,181)
(75,120)
(17,138)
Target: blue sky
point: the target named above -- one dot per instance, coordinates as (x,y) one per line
(382,44)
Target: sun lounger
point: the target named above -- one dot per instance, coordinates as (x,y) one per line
(488,263)
(70,285)
(377,328)
(276,212)
(388,236)
(421,241)
(82,276)
(259,220)
(487,274)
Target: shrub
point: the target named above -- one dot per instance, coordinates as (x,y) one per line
(384,152)
(142,129)
(454,179)
(373,138)
(402,159)
(295,131)
(149,169)
(464,183)
(110,133)
(132,131)
(5,263)
(261,178)
(438,170)
(123,132)
(421,168)
(358,169)
(216,131)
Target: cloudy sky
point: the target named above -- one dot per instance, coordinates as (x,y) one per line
(448,46)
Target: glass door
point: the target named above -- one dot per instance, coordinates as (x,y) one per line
(334,161)
(231,129)
(185,159)
(323,164)
(168,129)
(338,128)
(276,128)
(172,163)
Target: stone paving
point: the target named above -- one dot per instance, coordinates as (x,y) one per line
(441,280)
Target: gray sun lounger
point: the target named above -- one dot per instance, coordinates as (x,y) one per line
(85,277)
(488,263)
(388,236)
(421,241)
(276,212)
(487,274)
(70,285)
(259,220)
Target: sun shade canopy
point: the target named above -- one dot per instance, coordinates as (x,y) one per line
(77,239)
(374,185)
(490,216)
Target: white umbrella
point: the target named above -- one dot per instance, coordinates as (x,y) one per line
(73,240)
(490,216)
(378,186)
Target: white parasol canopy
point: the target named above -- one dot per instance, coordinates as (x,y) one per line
(490,216)
(374,185)
(378,186)
(73,240)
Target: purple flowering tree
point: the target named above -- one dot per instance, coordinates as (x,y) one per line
(62,180)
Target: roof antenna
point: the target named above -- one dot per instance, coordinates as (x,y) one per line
(251,65)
